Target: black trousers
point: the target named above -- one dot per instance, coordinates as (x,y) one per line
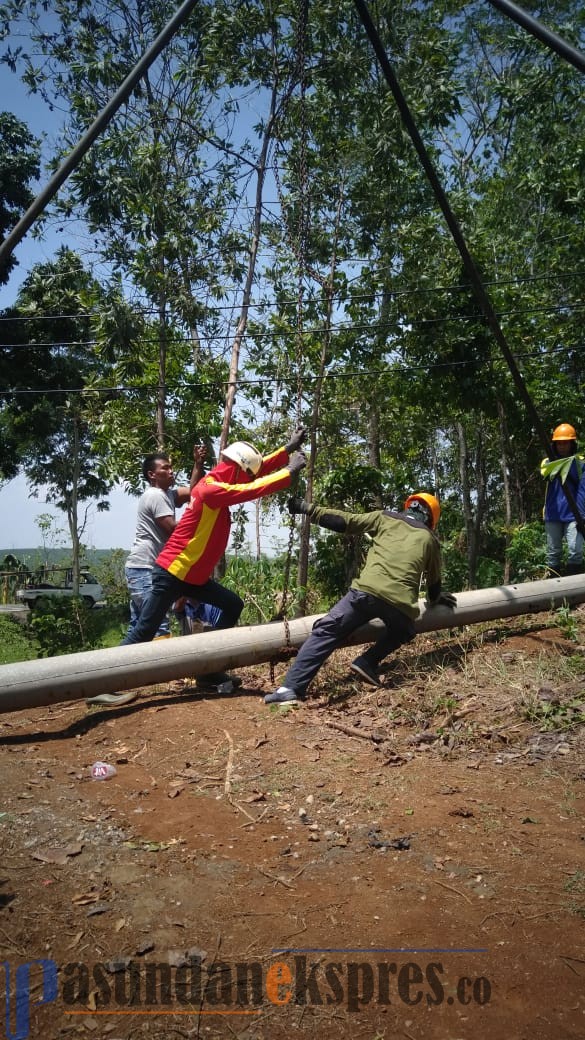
(166,589)
(355,609)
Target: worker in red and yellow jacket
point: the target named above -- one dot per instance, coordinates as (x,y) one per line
(186,563)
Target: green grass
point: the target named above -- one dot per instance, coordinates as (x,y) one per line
(114,627)
(15,644)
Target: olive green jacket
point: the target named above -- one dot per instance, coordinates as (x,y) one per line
(402,550)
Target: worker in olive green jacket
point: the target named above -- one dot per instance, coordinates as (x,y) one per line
(403,548)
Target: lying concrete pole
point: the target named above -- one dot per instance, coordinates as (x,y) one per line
(31,684)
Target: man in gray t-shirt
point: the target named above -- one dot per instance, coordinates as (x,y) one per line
(154,507)
(155,522)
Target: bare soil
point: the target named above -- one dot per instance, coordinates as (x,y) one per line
(403,862)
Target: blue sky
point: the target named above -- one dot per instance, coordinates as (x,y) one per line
(18,529)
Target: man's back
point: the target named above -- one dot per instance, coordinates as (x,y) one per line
(402,551)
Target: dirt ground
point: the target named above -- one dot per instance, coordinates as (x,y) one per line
(403,862)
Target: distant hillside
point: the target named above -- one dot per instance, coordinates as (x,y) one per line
(32,558)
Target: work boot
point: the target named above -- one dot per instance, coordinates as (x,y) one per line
(112,699)
(573,568)
(283,695)
(366,671)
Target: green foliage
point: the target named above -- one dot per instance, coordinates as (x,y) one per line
(389,357)
(555,715)
(109,571)
(335,562)
(111,624)
(58,627)
(12,574)
(260,584)
(15,643)
(489,573)
(562,467)
(49,431)
(19,165)
(454,566)
(238,530)
(353,487)
(64,626)
(526,551)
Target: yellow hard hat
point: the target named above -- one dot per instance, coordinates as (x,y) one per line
(564,432)
(430,501)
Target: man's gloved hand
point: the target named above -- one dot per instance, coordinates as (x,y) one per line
(297,462)
(296,440)
(446,599)
(298,505)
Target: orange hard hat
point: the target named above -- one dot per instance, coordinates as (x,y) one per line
(564,432)
(430,501)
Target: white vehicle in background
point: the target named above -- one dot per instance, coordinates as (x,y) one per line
(90,590)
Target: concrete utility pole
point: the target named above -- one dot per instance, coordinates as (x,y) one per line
(32,684)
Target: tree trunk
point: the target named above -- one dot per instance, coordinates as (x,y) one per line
(328,288)
(504,440)
(243,319)
(72,509)
(374,453)
(162,375)
(258,545)
(481,500)
(467,506)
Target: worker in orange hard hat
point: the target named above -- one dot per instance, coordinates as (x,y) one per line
(564,470)
(403,548)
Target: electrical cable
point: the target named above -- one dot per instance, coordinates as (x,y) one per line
(332,375)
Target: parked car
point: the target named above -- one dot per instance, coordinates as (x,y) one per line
(90,589)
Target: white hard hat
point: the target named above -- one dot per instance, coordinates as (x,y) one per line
(245,455)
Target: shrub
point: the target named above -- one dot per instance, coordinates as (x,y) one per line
(64,626)
(527,551)
(110,574)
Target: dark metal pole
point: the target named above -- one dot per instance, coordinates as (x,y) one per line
(468,261)
(74,158)
(556,43)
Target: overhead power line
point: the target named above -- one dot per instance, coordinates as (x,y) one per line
(405,324)
(542,33)
(420,290)
(399,370)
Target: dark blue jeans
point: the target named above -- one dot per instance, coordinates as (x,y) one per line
(166,589)
(355,609)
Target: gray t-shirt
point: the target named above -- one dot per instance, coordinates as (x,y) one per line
(150,538)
